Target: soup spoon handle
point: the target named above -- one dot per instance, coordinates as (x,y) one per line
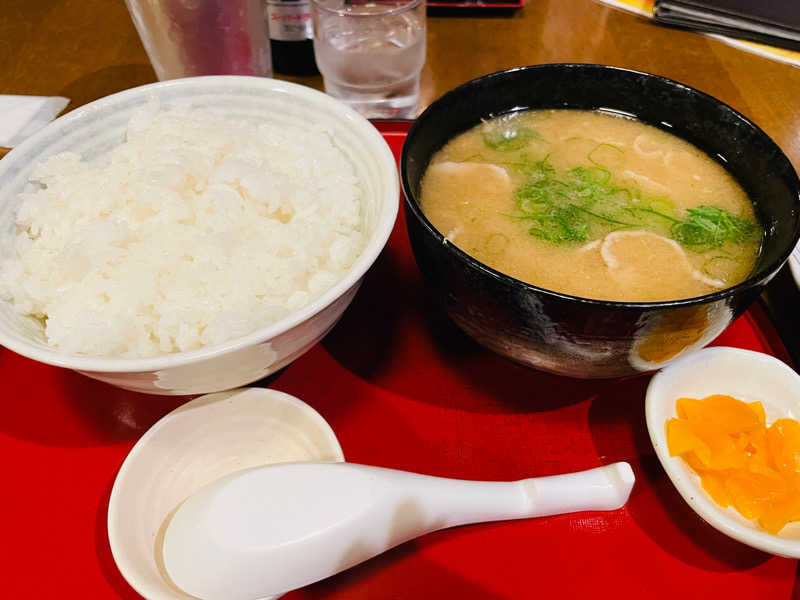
(450,502)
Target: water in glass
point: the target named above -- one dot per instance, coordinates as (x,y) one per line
(373,61)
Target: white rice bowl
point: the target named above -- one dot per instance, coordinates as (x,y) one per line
(194,231)
(238,293)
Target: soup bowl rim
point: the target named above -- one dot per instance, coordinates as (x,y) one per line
(756,278)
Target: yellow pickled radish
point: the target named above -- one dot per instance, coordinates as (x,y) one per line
(740,461)
(783,440)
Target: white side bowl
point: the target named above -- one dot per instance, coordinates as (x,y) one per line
(745,375)
(197,443)
(95,128)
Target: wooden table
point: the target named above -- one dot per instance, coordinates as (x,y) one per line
(85,49)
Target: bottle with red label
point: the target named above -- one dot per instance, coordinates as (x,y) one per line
(291,36)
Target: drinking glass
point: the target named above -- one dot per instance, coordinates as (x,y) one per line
(370,53)
(203,37)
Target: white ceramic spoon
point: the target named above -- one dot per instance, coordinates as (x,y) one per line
(276,528)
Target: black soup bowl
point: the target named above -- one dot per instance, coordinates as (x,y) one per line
(580,337)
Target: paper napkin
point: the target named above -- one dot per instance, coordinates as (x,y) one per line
(22,116)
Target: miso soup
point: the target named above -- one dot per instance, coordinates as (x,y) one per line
(592,205)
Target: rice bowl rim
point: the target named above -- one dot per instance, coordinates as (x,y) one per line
(385,219)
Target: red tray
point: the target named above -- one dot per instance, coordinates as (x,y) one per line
(402,388)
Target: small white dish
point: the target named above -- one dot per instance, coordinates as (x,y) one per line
(745,375)
(210,437)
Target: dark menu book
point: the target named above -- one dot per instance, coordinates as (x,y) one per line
(773,22)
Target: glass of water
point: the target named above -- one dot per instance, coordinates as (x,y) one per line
(203,37)
(370,53)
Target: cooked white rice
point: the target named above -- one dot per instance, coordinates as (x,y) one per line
(194,231)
